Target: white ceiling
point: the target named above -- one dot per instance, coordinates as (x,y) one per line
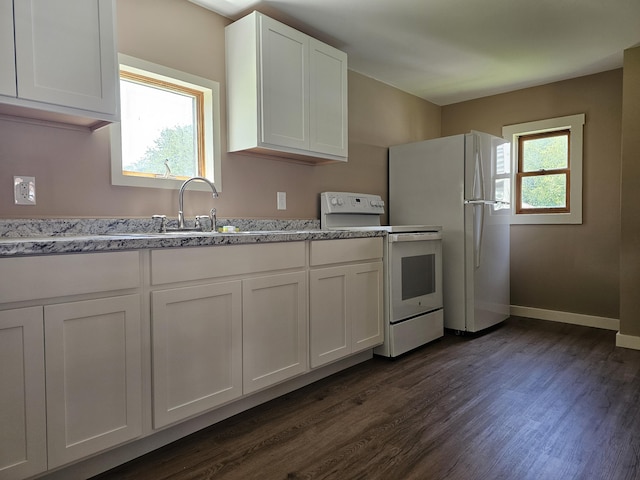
(447,51)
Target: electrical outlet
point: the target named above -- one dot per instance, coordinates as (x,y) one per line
(282,200)
(24,190)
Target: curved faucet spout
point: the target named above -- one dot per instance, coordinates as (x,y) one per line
(181,197)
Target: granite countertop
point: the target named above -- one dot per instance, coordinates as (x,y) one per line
(46,237)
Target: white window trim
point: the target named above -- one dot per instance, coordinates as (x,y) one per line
(211,90)
(575,124)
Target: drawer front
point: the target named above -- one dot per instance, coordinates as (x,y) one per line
(325,252)
(31,278)
(199,263)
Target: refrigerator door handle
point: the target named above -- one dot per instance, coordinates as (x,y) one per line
(478,232)
(478,178)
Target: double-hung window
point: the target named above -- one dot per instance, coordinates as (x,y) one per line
(547,170)
(169,129)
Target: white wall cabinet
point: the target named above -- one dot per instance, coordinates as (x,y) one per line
(196,349)
(94,368)
(7,50)
(346,299)
(65,58)
(23,449)
(274,329)
(287,92)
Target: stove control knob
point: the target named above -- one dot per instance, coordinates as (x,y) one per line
(334,201)
(340,201)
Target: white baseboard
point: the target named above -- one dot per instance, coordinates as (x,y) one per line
(627,341)
(566,317)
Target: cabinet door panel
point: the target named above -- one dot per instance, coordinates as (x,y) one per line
(7,52)
(197,349)
(330,328)
(22,398)
(93,356)
(65,53)
(328,122)
(284,89)
(274,329)
(366,297)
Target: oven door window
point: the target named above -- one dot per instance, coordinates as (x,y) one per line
(415,276)
(418,276)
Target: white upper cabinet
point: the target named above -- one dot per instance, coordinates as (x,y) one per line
(65,61)
(287,92)
(7,55)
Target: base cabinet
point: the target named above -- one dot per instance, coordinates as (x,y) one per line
(196,349)
(93,376)
(23,450)
(274,329)
(345,300)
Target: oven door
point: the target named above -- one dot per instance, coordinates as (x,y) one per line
(415,274)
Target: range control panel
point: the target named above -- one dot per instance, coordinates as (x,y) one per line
(344,202)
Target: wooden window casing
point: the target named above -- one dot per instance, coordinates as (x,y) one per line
(198,97)
(556,171)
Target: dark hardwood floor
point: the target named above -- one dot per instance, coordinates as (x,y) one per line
(527,400)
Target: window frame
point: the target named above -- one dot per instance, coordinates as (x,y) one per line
(575,125)
(208,117)
(520,173)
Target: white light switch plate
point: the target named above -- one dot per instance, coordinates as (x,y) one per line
(282,200)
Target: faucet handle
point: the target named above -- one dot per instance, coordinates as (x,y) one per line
(214,219)
(200,221)
(163,222)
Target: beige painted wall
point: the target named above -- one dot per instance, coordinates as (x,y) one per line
(572,268)
(72,168)
(630,197)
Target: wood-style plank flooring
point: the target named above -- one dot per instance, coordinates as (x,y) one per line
(527,400)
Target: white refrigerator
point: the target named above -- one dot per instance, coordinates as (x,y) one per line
(461,182)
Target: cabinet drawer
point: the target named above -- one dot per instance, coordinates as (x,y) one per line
(325,252)
(199,263)
(31,278)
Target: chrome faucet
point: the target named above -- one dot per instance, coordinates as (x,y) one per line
(212,214)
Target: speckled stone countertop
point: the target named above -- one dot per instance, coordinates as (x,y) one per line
(53,236)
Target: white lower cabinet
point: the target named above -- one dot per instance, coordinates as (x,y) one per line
(23,449)
(93,376)
(226,321)
(196,349)
(346,300)
(274,329)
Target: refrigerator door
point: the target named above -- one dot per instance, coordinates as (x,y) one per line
(426,186)
(486,236)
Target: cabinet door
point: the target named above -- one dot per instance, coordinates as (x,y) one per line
(7,50)
(274,329)
(366,305)
(22,397)
(330,328)
(328,122)
(65,53)
(196,349)
(284,95)
(94,385)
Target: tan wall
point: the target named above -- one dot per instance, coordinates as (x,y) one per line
(630,197)
(72,168)
(572,268)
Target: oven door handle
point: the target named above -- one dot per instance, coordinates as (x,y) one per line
(414,237)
